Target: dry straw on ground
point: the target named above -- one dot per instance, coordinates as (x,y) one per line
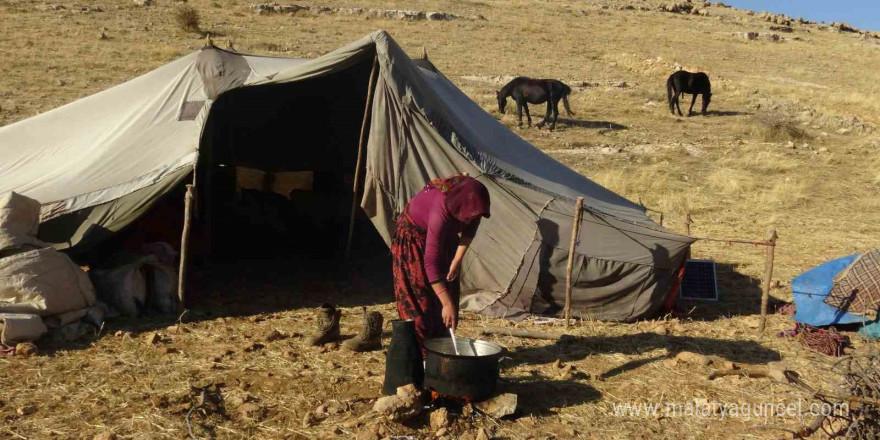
(815,178)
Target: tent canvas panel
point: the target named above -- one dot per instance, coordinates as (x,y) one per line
(421,127)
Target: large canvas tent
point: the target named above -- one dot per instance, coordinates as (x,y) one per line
(99,163)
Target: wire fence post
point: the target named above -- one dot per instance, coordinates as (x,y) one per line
(768,275)
(578,210)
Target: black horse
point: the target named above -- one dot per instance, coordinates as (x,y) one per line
(687,82)
(525,91)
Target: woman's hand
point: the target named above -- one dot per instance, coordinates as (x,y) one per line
(454,270)
(450,317)
(449,312)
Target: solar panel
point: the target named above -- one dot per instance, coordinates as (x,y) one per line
(700,282)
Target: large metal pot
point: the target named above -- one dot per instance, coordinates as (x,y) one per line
(472,373)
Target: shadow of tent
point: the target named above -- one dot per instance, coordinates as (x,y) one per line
(738,294)
(538,395)
(571,348)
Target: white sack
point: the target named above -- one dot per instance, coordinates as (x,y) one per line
(124,287)
(43,282)
(19,327)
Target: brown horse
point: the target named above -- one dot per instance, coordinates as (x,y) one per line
(525,91)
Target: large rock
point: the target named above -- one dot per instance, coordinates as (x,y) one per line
(498,406)
(406,404)
(439,419)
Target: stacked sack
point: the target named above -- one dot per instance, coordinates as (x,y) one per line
(40,288)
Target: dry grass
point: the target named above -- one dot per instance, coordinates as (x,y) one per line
(772,127)
(733,171)
(187,18)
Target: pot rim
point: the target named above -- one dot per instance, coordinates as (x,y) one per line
(501,350)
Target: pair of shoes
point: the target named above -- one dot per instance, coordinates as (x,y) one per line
(369,339)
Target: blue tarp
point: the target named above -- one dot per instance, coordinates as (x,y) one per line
(810,289)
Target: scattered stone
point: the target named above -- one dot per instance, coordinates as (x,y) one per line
(143,2)
(439,420)
(557,363)
(251,410)
(353,423)
(688,357)
(660,329)
(677,8)
(702,403)
(367,435)
(440,16)
(747,35)
(467,410)
(256,346)
(498,406)
(152,338)
(786,29)
(393,14)
(276,335)
(483,434)
(106,435)
(310,420)
(26,410)
(406,404)
(25,349)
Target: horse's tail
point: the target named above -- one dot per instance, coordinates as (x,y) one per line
(566,90)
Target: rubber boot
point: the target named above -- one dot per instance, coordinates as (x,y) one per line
(370,337)
(328,326)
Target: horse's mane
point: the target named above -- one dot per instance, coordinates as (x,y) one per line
(506,89)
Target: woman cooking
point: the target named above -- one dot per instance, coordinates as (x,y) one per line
(432,236)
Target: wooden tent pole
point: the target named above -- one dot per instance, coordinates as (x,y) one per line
(360,154)
(768,274)
(184,241)
(578,210)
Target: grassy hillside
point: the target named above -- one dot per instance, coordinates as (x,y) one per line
(791,143)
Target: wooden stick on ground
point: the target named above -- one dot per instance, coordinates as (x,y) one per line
(521,333)
(578,209)
(360,154)
(184,241)
(768,274)
(753,372)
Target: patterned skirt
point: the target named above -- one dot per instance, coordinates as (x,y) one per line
(415,298)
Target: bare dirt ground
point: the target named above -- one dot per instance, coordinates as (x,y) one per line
(790,143)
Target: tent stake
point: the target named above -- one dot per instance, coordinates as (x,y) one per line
(768,274)
(357,166)
(578,210)
(184,240)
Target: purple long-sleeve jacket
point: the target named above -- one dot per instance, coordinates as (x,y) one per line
(428,211)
